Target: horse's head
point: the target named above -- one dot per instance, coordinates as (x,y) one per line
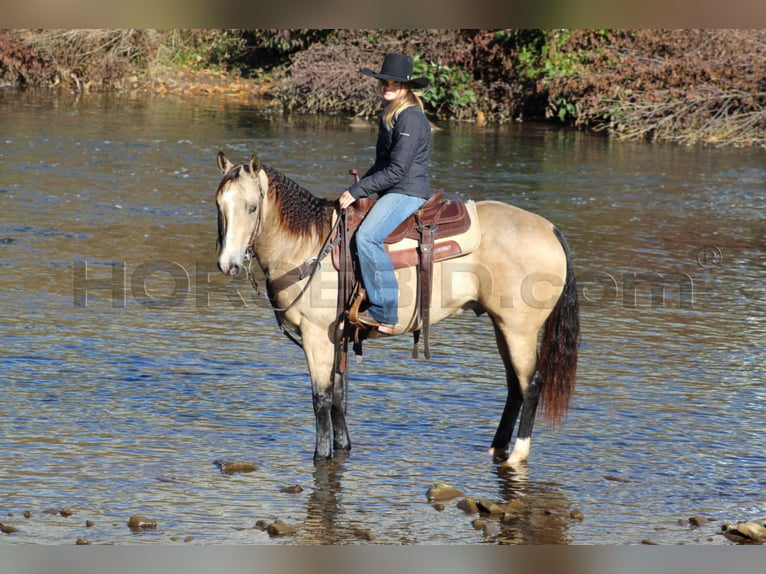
(240,202)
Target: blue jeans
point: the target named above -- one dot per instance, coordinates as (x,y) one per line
(375,264)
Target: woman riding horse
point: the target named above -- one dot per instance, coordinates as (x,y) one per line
(398,178)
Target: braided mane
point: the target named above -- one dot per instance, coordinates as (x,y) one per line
(301,212)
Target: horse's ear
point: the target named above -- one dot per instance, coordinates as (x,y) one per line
(223,162)
(255,165)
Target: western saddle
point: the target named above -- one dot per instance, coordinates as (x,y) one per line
(438,218)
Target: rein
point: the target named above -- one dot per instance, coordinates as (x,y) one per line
(308,269)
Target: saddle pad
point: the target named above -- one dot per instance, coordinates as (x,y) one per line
(404,253)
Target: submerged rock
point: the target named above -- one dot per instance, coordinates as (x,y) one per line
(233,467)
(363,534)
(261,525)
(648,542)
(138,522)
(468,505)
(441,491)
(279,528)
(295,489)
(486,506)
(613,478)
(7,528)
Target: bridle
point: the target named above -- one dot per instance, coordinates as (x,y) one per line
(307,269)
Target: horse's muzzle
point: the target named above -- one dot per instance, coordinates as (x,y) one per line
(231,269)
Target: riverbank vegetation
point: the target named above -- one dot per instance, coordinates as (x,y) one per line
(686,86)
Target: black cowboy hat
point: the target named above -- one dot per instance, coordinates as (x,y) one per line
(397,68)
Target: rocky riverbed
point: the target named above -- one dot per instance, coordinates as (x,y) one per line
(494,520)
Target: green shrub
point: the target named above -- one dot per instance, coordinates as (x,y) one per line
(449,88)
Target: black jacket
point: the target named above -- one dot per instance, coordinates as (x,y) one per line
(402,155)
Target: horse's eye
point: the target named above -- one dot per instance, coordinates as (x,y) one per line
(252,208)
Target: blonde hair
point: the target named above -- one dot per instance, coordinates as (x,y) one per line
(393,109)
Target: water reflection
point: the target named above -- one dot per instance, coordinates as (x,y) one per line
(325,521)
(542,512)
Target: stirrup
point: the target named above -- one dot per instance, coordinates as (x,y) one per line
(366,321)
(356,302)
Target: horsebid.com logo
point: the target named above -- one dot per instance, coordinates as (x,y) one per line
(167,284)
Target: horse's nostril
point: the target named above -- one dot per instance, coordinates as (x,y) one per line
(234,270)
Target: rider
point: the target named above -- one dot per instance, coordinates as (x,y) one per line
(399,181)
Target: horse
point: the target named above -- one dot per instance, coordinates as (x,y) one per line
(521,275)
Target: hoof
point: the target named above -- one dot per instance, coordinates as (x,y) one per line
(498,454)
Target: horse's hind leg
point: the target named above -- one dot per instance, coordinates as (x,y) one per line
(519,352)
(513,400)
(524,356)
(528,412)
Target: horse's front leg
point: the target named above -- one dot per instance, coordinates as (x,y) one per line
(327,398)
(340,431)
(322,413)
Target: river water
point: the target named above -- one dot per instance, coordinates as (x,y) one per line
(129,365)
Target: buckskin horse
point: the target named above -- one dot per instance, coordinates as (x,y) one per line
(520,274)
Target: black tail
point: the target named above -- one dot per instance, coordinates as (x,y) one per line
(560,345)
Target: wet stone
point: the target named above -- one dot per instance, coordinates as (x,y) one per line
(438,506)
(748,532)
(66,512)
(697,521)
(478,523)
(441,492)
(295,489)
(139,522)
(613,478)
(27,514)
(279,528)
(363,534)
(486,506)
(7,528)
(468,505)
(576,514)
(82,542)
(89,523)
(234,467)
